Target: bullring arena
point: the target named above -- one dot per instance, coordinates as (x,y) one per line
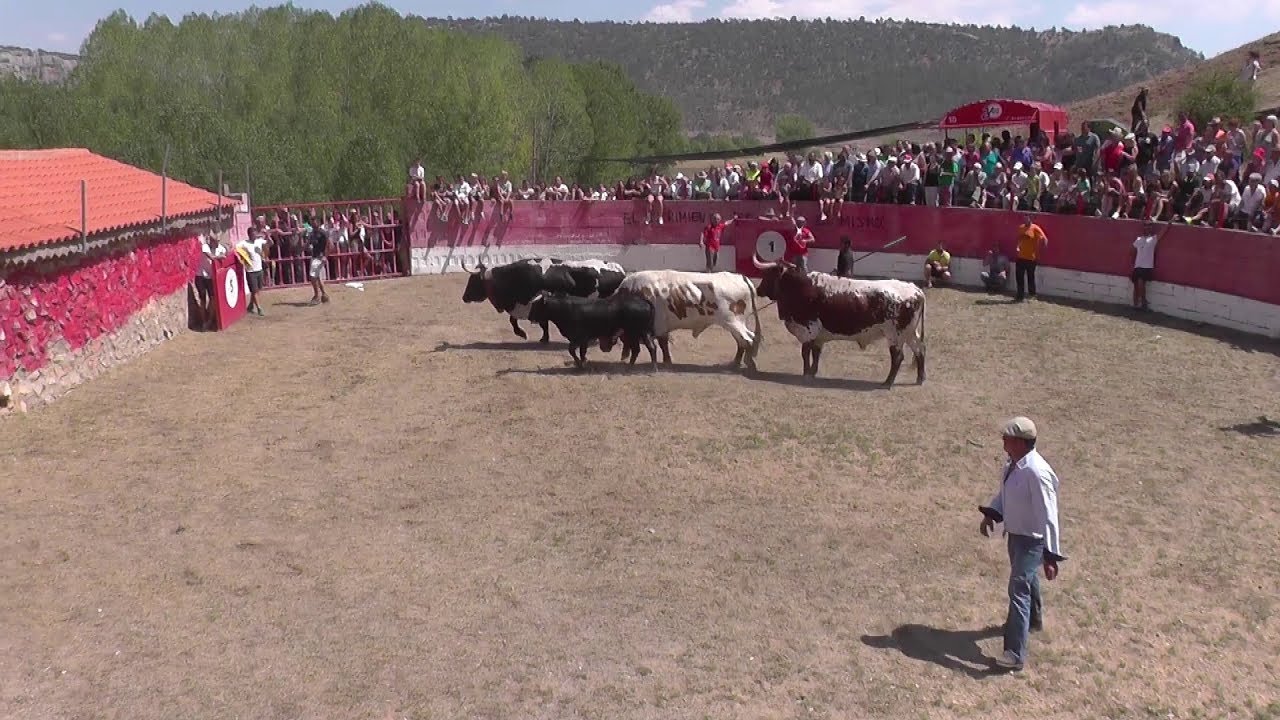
(389,506)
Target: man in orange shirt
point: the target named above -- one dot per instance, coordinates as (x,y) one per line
(1031,242)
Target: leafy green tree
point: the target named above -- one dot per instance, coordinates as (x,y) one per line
(302,105)
(561,125)
(366,167)
(1219,95)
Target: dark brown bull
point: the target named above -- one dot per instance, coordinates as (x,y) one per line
(818,308)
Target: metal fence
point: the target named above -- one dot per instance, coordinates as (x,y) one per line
(367,241)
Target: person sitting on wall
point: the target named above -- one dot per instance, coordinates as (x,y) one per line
(937,265)
(995,271)
(844,261)
(418,181)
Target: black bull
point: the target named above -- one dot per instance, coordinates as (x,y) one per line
(514,286)
(583,321)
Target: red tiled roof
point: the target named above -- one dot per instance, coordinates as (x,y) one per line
(40,196)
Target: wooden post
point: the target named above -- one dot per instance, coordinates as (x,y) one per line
(164,192)
(219,199)
(84,217)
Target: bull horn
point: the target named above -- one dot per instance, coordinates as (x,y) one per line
(760,265)
(462,262)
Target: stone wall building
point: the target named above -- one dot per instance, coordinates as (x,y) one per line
(77,299)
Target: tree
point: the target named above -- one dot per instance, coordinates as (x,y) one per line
(561,125)
(322,107)
(793,127)
(366,168)
(1219,95)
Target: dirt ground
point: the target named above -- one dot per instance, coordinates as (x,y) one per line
(390,507)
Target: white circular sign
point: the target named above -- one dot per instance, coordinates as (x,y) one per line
(770,245)
(232,287)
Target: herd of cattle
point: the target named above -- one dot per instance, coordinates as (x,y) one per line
(595,302)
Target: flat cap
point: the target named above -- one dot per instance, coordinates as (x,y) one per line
(1021,428)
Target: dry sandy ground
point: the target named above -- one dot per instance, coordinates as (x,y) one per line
(385,507)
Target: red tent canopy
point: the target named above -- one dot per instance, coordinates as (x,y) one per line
(997,112)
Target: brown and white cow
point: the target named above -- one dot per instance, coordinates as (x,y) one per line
(818,308)
(696,301)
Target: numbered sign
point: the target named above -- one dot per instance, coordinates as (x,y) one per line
(231,286)
(770,245)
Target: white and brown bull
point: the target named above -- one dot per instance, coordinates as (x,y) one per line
(818,308)
(696,301)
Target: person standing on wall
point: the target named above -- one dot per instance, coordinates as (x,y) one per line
(710,240)
(1027,504)
(318,246)
(1031,243)
(251,251)
(1144,260)
(798,245)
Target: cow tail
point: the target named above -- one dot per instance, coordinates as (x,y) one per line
(924,308)
(758,337)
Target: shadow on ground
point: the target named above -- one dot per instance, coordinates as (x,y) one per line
(955,650)
(501,345)
(1262,427)
(778,378)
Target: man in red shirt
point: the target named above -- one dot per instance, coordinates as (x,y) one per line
(710,241)
(798,245)
(1185,140)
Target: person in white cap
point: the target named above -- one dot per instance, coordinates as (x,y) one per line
(1027,504)
(1248,214)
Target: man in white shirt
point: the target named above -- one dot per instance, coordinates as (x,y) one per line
(909,176)
(462,199)
(1027,504)
(1252,66)
(418,181)
(1248,215)
(506,209)
(210,250)
(1272,169)
(253,248)
(1144,260)
(1017,187)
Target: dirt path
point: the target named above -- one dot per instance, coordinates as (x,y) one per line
(389,506)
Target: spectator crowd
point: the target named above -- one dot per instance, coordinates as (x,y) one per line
(362,241)
(1226,175)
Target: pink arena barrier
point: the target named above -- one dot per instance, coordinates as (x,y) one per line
(1222,277)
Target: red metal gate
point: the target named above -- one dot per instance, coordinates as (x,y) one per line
(367,240)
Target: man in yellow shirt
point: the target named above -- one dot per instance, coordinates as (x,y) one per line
(1031,243)
(937,264)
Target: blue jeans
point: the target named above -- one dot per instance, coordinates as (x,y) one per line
(1026,555)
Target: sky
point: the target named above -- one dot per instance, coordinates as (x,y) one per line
(1204,26)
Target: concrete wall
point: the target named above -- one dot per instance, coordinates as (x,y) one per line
(1220,277)
(65,321)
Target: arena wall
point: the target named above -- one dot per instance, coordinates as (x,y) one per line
(1219,277)
(72,318)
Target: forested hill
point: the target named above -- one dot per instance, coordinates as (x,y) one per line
(738,75)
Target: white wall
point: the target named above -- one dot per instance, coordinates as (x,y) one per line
(1175,300)
(1178,301)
